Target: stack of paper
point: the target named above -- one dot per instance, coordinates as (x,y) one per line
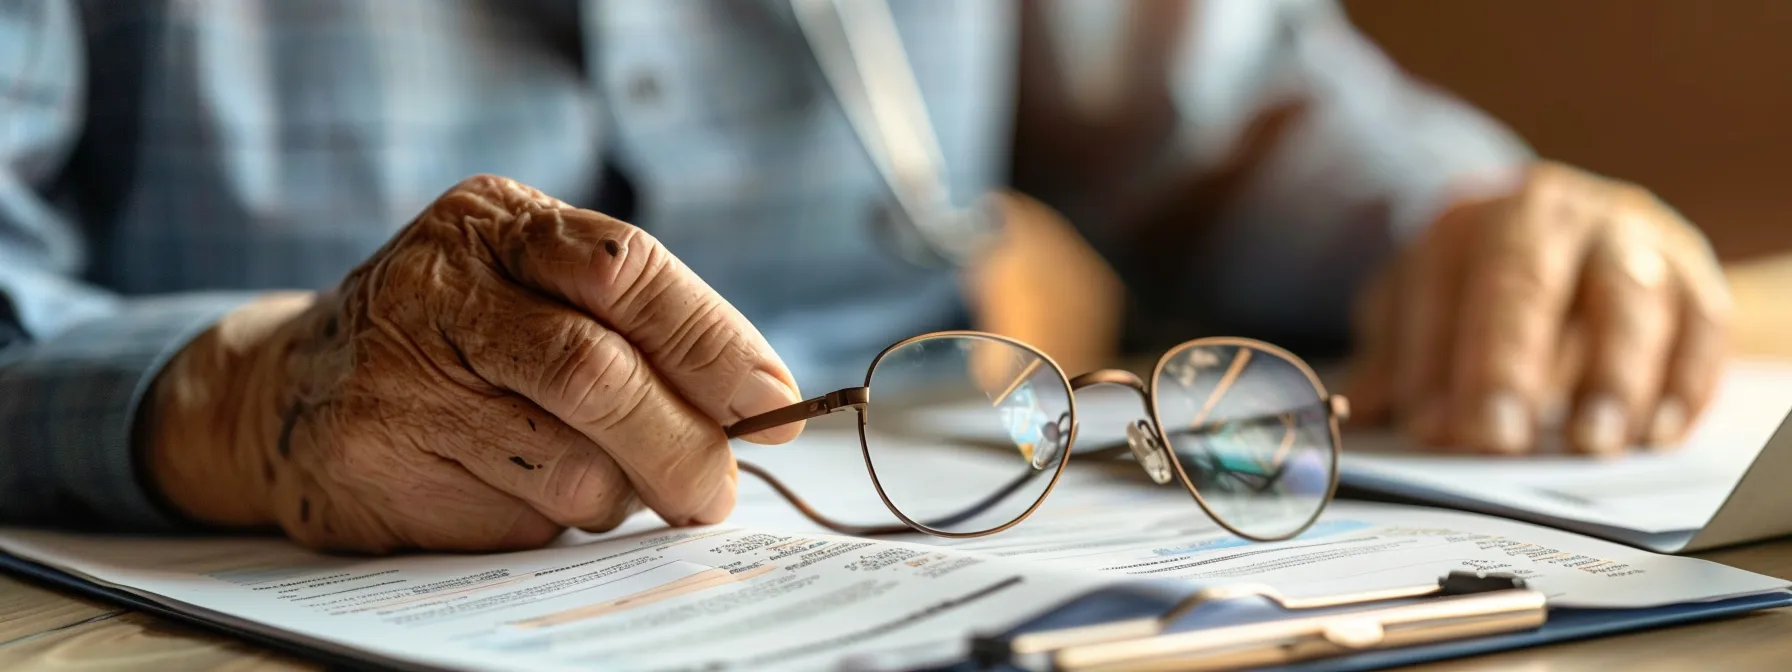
(1660,500)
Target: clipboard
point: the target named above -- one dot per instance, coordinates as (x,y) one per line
(1460,605)
(1562,625)
(1140,603)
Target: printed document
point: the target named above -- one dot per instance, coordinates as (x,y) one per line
(767,591)
(680,599)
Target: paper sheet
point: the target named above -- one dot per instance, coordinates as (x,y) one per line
(686,599)
(768,592)
(1359,546)
(1644,491)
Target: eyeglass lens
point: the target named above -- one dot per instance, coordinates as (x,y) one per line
(964,433)
(1252,432)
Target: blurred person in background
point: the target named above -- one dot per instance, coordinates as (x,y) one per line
(177,178)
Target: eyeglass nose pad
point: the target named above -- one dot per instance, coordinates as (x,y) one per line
(1056,436)
(1150,454)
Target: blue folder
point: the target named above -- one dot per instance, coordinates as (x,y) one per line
(1105,605)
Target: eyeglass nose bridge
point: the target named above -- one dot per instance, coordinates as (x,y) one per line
(1141,435)
(1119,377)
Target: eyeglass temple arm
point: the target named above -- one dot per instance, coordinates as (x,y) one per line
(832,402)
(838,400)
(1027,474)
(802,506)
(986,503)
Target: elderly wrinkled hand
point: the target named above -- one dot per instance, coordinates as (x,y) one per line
(1569,291)
(505,368)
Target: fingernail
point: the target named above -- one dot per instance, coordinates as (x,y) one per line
(1601,427)
(1669,422)
(1505,424)
(762,393)
(720,504)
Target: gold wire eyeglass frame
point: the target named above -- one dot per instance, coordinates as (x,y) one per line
(1336,409)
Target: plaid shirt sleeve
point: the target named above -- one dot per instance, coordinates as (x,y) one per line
(74,360)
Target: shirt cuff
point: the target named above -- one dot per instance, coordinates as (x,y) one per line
(68,405)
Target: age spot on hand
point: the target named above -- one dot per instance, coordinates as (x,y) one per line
(612,247)
(291,418)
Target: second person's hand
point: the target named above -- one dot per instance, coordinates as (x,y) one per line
(1570,286)
(505,368)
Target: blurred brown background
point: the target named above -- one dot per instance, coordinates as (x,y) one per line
(1690,98)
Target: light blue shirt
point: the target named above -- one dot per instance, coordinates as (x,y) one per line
(161,160)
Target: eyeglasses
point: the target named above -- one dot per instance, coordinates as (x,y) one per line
(1245,426)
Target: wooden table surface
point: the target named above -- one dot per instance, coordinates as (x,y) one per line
(42,629)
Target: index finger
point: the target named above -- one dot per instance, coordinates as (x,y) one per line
(698,342)
(1511,317)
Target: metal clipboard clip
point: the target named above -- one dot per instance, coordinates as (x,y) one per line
(1460,606)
